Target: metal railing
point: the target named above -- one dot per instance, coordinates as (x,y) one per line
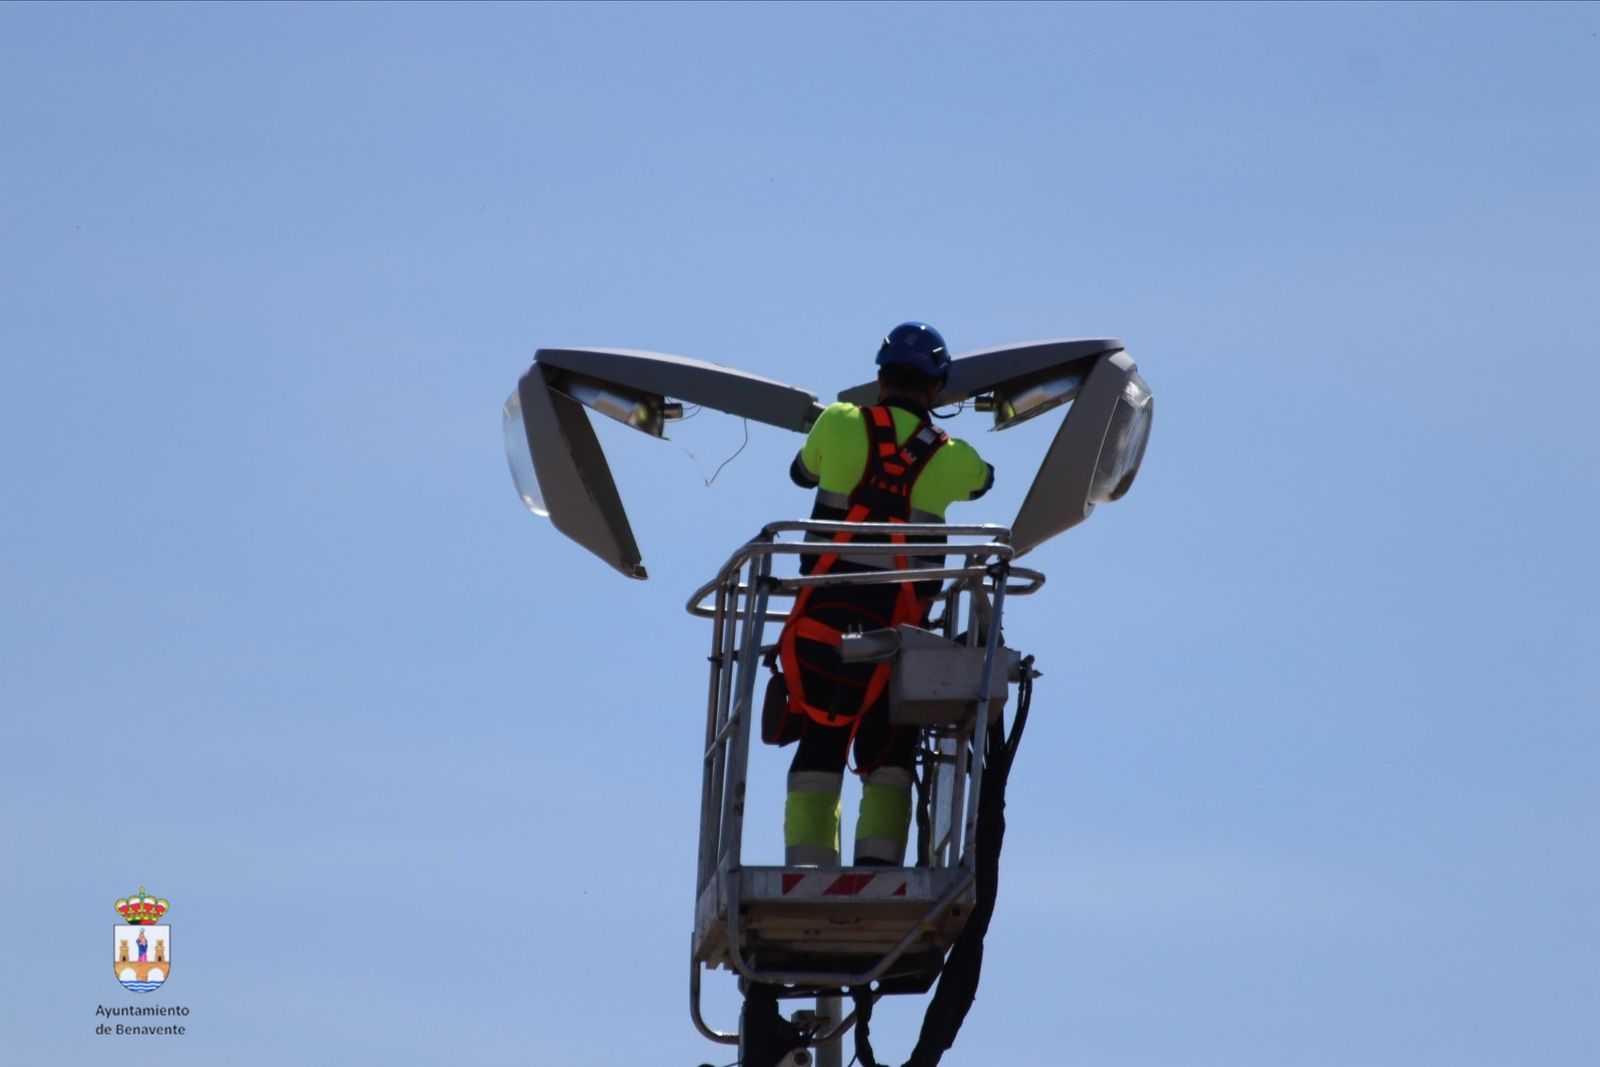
(764,545)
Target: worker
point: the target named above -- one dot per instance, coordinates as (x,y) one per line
(884,463)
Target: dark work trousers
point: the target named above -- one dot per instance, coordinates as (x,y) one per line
(878,744)
(839,687)
(884,755)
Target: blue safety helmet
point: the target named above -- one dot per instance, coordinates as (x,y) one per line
(918,347)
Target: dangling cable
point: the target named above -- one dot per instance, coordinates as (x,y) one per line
(733,457)
(696,459)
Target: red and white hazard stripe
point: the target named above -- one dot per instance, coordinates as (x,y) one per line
(860,885)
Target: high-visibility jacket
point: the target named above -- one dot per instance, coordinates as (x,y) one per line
(874,464)
(833,461)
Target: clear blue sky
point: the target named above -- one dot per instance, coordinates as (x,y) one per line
(1311,779)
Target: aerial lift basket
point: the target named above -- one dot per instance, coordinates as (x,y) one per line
(826,929)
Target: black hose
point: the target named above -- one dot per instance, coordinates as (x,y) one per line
(930,759)
(958,983)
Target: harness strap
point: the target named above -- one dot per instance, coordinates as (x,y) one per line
(883,494)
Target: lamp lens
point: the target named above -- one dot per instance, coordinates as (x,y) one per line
(1123,449)
(520,457)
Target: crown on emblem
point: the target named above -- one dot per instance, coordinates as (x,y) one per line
(141,909)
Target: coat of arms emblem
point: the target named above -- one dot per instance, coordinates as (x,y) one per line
(141,945)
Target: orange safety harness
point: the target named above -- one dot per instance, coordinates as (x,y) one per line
(882,495)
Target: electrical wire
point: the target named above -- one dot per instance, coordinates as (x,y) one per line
(696,459)
(733,457)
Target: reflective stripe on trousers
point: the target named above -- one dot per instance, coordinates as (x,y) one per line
(883,822)
(811,819)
